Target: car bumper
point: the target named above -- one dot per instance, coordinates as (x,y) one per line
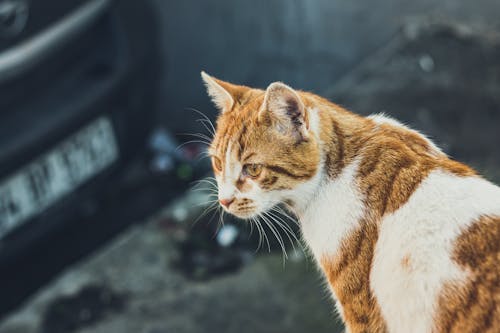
(105,71)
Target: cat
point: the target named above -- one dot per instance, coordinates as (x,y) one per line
(407,238)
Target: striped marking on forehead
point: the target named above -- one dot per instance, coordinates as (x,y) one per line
(241,141)
(234,138)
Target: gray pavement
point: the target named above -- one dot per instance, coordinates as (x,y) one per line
(131,286)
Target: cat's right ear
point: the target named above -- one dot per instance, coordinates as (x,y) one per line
(221,92)
(285,108)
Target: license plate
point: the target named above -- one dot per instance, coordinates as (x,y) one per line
(40,184)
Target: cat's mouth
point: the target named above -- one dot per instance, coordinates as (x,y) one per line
(247,209)
(242,208)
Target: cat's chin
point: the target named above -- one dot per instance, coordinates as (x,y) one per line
(249,212)
(247,215)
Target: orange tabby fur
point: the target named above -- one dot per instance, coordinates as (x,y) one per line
(393,162)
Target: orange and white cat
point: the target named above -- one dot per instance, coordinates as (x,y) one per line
(408,239)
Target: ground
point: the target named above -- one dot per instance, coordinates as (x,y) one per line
(134,286)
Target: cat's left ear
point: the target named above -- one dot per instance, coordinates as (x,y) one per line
(286,110)
(223,94)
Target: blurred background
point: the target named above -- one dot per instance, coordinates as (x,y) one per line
(105,225)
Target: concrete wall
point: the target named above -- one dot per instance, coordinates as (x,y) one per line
(308,44)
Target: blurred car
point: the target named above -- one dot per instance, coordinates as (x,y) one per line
(77,93)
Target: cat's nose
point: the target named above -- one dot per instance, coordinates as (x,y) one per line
(226,202)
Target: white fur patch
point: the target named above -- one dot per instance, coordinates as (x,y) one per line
(333,212)
(422,231)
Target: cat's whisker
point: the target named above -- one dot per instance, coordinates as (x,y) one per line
(204,190)
(211,207)
(204,123)
(204,117)
(286,228)
(216,211)
(210,193)
(281,211)
(267,240)
(254,222)
(220,224)
(202,155)
(264,236)
(191,141)
(200,182)
(251,230)
(282,224)
(281,240)
(204,186)
(276,235)
(199,136)
(275,206)
(210,202)
(207,207)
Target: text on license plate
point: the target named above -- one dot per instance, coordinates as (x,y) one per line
(51,176)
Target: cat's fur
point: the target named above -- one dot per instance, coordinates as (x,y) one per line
(408,239)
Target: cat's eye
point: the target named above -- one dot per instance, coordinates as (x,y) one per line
(216,164)
(252,170)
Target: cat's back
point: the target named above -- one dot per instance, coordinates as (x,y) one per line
(437,257)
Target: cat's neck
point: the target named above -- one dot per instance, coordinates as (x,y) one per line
(340,135)
(332,199)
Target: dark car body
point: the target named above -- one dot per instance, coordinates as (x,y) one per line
(64,65)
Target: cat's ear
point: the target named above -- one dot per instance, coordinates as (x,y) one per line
(286,110)
(223,94)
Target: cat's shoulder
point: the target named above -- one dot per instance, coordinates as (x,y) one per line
(381,119)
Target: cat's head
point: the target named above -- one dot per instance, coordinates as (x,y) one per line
(263,152)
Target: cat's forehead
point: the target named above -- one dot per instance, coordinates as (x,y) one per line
(234,135)
(239,126)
